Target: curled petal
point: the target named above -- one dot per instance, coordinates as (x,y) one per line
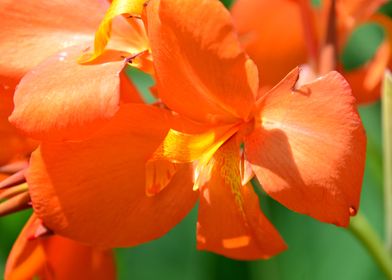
(309,150)
(230,220)
(93,191)
(196,55)
(103,34)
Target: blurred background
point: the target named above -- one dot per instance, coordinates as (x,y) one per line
(316,250)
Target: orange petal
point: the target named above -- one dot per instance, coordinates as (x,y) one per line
(56,257)
(3,176)
(61,99)
(93,191)
(34,30)
(271,32)
(26,258)
(43,28)
(230,221)
(13,145)
(201,69)
(309,151)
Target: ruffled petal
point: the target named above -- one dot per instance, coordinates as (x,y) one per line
(93,191)
(201,69)
(55,257)
(230,220)
(309,151)
(61,99)
(103,34)
(271,33)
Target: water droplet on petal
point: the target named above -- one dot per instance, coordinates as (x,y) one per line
(62,56)
(352,210)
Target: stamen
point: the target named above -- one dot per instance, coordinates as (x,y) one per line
(13,180)
(12,191)
(310,34)
(15,204)
(13,167)
(329,52)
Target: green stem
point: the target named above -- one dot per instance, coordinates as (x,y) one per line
(364,232)
(387,156)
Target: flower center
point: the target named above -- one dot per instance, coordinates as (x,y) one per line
(247,127)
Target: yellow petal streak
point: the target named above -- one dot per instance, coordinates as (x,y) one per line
(102,36)
(182,148)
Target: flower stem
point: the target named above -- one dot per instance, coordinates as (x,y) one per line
(310,32)
(328,60)
(364,232)
(387,156)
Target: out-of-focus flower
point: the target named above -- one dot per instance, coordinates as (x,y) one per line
(304,143)
(35,255)
(38,252)
(281,34)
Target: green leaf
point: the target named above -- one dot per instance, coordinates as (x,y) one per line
(10,226)
(316,3)
(362,45)
(386,9)
(143,83)
(227,3)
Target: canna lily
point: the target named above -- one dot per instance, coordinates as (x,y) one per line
(305,144)
(55,257)
(314,36)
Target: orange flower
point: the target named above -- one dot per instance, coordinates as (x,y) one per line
(49,37)
(279,34)
(305,143)
(55,257)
